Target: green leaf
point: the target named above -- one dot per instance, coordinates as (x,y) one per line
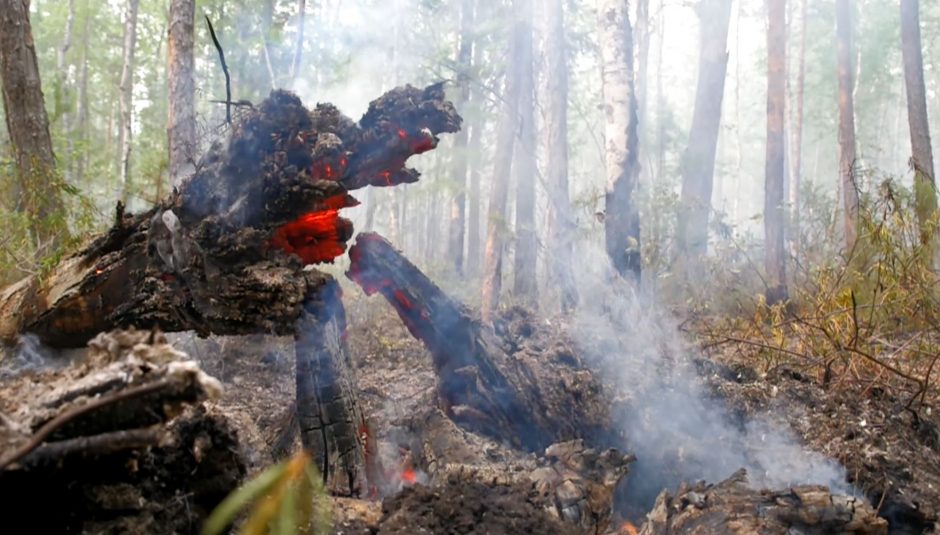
(225,513)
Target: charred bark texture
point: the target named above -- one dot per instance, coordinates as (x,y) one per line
(210,258)
(482,383)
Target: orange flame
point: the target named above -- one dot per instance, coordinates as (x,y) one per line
(316,236)
(409,476)
(627,528)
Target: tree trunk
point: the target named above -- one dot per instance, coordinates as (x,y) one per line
(474,150)
(796,147)
(457,221)
(299,46)
(525,285)
(642,69)
(81,107)
(698,162)
(775,254)
(561,222)
(181,123)
(847,154)
(622,219)
(63,99)
(925,186)
(127,96)
(502,166)
(35,188)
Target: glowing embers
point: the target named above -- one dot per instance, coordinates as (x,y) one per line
(628,528)
(318,236)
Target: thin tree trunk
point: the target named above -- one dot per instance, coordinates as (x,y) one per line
(457,219)
(642,65)
(796,147)
(925,186)
(660,97)
(847,150)
(525,285)
(81,108)
(561,223)
(62,94)
(698,162)
(775,259)
(622,219)
(127,96)
(299,46)
(28,127)
(181,123)
(502,166)
(476,200)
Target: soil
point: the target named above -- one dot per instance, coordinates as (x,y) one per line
(891,453)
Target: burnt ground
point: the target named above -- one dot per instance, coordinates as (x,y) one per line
(890,454)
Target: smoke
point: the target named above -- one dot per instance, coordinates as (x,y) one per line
(677,430)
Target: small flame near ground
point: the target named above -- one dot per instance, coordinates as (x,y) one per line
(628,528)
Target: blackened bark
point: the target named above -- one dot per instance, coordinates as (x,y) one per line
(698,162)
(622,218)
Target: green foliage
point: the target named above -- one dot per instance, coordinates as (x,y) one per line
(287,498)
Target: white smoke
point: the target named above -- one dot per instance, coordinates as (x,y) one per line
(678,431)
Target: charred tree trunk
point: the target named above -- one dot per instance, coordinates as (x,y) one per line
(502,165)
(622,218)
(457,221)
(225,254)
(847,147)
(525,285)
(181,124)
(35,191)
(925,185)
(127,96)
(480,386)
(775,254)
(698,162)
(561,222)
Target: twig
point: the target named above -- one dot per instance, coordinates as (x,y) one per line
(228,78)
(39,436)
(94,446)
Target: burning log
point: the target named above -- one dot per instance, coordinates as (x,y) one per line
(226,253)
(111,441)
(530,400)
(732,507)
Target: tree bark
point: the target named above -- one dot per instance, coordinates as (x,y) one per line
(561,222)
(35,189)
(63,104)
(622,218)
(299,46)
(642,66)
(698,162)
(181,123)
(925,185)
(502,166)
(127,96)
(775,253)
(457,221)
(796,147)
(525,286)
(847,147)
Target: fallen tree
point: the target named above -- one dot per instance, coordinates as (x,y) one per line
(226,253)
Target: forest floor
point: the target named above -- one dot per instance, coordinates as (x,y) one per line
(891,454)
